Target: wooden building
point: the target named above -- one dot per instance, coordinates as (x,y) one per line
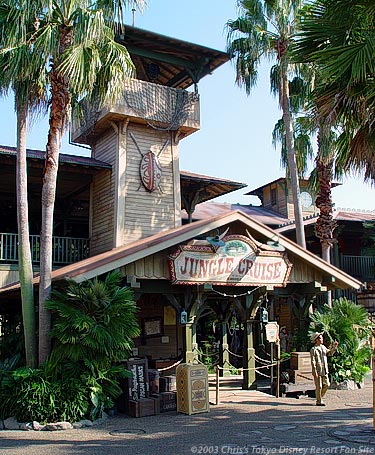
(127,201)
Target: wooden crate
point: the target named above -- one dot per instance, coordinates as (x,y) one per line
(303,377)
(143,408)
(154,381)
(300,361)
(167,401)
(167,383)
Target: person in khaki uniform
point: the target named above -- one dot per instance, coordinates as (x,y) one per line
(319,366)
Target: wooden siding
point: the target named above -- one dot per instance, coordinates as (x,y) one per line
(149,213)
(8,274)
(156,267)
(302,272)
(157,347)
(103,196)
(150,267)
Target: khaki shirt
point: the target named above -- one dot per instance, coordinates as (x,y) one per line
(319,362)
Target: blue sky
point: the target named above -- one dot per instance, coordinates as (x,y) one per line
(235,137)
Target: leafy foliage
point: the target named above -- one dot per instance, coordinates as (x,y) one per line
(347,323)
(93,326)
(94,321)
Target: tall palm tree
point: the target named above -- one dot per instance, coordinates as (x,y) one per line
(307,121)
(84,60)
(265,28)
(17,22)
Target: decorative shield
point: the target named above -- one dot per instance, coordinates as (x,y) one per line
(150,171)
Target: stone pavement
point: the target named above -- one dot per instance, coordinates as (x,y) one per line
(245,422)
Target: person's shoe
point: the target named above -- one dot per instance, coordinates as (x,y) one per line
(320,404)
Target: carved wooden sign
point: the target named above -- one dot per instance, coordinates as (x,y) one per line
(238,263)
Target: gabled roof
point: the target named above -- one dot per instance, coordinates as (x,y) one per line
(169,61)
(118,257)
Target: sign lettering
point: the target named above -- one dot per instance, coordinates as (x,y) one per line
(239,262)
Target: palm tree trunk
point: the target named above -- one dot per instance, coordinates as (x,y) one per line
(24,254)
(59,119)
(291,154)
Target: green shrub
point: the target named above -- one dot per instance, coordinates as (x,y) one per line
(347,323)
(93,327)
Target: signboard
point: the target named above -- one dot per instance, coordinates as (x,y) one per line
(138,383)
(239,262)
(272,332)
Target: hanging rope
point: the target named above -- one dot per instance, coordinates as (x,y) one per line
(171,366)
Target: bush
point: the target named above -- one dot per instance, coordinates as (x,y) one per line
(93,327)
(347,323)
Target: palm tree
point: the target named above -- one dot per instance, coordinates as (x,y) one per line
(94,321)
(84,60)
(338,36)
(17,20)
(307,121)
(265,28)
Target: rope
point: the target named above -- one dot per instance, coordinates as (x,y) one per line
(171,366)
(248,369)
(232,353)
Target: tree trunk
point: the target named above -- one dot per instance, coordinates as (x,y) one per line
(325,223)
(291,154)
(59,119)
(24,254)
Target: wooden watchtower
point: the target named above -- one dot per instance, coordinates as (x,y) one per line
(139,137)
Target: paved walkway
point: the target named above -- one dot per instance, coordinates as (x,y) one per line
(245,422)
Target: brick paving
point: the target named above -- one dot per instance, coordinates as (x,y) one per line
(245,422)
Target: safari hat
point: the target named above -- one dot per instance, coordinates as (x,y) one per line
(315,335)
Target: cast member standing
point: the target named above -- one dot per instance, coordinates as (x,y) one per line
(319,366)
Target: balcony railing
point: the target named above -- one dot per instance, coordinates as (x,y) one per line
(162,107)
(362,267)
(65,250)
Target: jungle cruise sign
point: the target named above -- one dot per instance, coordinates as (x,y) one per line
(240,262)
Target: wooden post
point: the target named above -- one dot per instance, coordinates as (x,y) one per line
(278,370)
(249,358)
(224,354)
(217,384)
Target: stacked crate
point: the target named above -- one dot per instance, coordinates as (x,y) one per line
(136,400)
(300,364)
(167,393)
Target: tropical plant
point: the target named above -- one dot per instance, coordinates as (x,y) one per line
(93,326)
(22,71)
(347,323)
(338,36)
(94,321)
(85,61)
(265,28)
(76,42)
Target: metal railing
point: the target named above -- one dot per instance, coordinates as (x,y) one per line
(358,266)
(65,250)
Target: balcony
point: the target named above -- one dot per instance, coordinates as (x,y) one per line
(66,250)
(361,267)
(158,106)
